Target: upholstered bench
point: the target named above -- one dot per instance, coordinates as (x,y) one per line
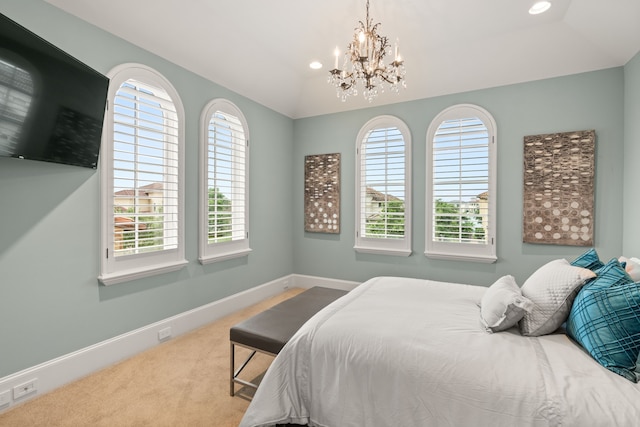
(268,331)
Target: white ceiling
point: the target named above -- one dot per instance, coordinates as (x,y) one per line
(262,49)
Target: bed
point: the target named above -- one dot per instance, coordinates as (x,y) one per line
(412,352)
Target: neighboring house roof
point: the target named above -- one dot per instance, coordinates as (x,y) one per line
(377,196)
(483,196)
(153,186)
(142,191)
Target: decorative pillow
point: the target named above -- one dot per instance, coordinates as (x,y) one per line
(589,259)
(552,288)
(605,320)
(612,273)
(503,305)
(632,267)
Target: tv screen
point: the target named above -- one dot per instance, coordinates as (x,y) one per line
(52,106)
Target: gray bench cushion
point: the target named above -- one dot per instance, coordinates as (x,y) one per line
(270,330)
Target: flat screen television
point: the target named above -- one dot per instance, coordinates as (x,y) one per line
(52,105)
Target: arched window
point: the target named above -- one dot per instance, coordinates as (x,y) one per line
(383,187)
(224,182)
(461,185)
(142,176)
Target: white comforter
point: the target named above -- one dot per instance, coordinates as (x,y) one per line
(409,352)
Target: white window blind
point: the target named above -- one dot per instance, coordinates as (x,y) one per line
(145,170)
(224,182)
(142,176)
(383,187)
(461,181)
(382,190)
(461,185)
(226,178)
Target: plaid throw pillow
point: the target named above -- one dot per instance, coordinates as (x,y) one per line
(590,260)
(605,320)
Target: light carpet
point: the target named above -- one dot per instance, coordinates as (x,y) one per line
(181,382)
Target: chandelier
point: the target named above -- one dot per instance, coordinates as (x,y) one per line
(363,64)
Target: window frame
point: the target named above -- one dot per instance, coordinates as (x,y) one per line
(220,251)
(135,266)
(384,246)
(454,250)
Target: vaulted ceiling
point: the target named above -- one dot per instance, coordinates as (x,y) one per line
(262,49)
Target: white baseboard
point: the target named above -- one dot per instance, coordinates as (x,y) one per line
(65,369)
(302,281)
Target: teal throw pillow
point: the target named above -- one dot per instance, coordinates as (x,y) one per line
(589,259)
(611,273)
(605,320)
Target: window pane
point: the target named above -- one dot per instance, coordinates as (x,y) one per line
(226,178)
(460,181)
(382,186)
(145,171)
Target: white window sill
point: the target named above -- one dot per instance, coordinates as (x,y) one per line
(382,251)
(223,256)
(486,259)
(133,274)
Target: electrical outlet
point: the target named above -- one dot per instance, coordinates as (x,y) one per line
(25,389)
(164,334)
(5,398)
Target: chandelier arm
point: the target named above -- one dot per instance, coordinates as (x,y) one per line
(386,79)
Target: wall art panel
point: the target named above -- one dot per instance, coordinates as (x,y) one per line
(558,192)
(322,193)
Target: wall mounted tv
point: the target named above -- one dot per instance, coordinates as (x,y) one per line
(52,106)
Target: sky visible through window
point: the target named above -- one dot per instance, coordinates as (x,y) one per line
(460,163)
(460,180)
(460,160)
(138,141)
(145,170)
(384,157)
(225,177)
(221,154)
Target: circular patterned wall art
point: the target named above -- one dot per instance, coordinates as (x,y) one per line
(559,188)
(322,193)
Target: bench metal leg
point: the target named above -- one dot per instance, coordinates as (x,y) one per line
(234,373)
(233,363)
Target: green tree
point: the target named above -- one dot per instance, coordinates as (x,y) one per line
(153,232)
(146,231)
(390,221)
(452,224)
(219,216)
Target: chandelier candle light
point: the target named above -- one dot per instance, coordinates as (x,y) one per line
(364,57)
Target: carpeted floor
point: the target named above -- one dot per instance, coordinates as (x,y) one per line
(182,382)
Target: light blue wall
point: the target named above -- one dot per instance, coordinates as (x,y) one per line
(631,195)
(50,301)
(580,102)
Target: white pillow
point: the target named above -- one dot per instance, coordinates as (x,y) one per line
(552,288)
(632,268)
(503,305)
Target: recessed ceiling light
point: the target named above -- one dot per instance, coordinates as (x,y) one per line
(315,65)
(540,7)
